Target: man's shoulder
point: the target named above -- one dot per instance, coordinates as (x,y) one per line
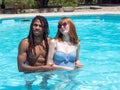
(24,41)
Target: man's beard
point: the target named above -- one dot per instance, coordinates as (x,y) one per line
(38,32)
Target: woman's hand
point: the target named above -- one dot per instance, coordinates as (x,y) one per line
(78,64)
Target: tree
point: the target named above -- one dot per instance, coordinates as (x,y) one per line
(88,1)
(42,3)
(3,4)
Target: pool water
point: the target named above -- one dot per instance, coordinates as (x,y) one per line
(99,52)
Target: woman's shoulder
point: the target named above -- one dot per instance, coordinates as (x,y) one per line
(78,44)
(53,41)
(48,39)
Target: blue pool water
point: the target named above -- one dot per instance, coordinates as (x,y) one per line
(99,52)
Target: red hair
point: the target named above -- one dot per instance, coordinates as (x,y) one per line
(72,33)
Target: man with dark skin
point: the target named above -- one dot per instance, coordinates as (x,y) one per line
(33,50)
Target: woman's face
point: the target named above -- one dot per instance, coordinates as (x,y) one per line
(37,28)
(64,27)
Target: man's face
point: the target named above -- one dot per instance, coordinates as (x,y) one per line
(37,28)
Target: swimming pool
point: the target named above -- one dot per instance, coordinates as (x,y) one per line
(99,52)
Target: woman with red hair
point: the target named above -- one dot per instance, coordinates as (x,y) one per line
(64,48)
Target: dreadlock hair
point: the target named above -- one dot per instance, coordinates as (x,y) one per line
(45,27)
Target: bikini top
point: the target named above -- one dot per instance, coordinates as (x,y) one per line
(63,59)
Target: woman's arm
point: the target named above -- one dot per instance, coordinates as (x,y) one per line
(51,52)
(78,64)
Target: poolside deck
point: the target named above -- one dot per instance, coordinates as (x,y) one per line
(112,8)
(59,11)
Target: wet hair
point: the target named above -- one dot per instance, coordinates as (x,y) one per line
(72,33)
(45,27)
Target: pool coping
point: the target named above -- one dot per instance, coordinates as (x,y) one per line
(2,16)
